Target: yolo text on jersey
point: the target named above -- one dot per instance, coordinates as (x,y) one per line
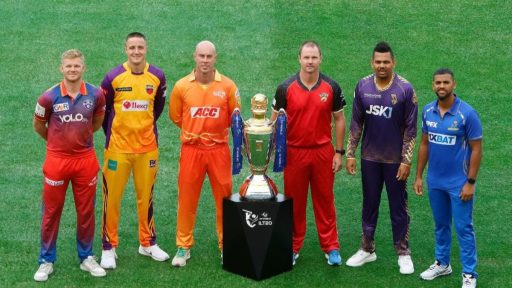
(441,139)
(379,110)
(205,112)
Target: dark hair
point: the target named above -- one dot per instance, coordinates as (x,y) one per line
(442,71)
(383,47)
(135,35)
(310,43)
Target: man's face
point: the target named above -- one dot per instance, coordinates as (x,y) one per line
(443,85)
(310,59)
(383,65)
(205,57)
(136,49)
(72,69)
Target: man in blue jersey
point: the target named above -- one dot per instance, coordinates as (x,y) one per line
(452,145)
(384,113)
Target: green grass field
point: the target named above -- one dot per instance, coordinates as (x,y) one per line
(257,43)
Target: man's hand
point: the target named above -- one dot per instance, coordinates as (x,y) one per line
(467,192)
(337,162)
(418,186)
(403,172)
(350,165)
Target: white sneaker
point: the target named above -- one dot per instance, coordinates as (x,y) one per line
(435,270)
(360,258)
(108,259)
(44,270)
(90,265)
(154,252)
(181,257)
(468,281)
(405,263)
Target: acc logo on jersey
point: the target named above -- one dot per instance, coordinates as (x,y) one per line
(149,89)
(205,112)
(379,110)
(441,139)
(60,107)
(323,97)
(135,105)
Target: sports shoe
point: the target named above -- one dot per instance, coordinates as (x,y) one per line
(154,252)
(90,265)
(360,258)
(435,270)
(44,270)
(108,259)
(333,257)
(295,256)
(181,257)
(468,281)
(405,263)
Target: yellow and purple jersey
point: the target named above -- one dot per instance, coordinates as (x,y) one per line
(203,112)
(70,120)
(134,101)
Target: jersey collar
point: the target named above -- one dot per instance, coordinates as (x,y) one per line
(64,91)
(453,109)
(192,76)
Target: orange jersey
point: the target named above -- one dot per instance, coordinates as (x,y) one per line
(203,112)
(134,101)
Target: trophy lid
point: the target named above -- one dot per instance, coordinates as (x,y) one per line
(259,105)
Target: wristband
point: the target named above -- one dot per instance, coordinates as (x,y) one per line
(342,151)
(472,181)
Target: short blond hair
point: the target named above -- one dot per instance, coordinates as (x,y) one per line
(72,54)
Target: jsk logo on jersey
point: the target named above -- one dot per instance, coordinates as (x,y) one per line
(205,112)
(150,89)
(135,105)
(323,97)
(60,107)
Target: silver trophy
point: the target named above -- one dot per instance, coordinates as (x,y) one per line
(259,144)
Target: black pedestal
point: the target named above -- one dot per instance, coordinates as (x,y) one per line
(257,236)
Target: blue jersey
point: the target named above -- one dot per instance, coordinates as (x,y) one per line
(448,143)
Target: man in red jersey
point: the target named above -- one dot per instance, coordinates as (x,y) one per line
(311,100)
(66,117)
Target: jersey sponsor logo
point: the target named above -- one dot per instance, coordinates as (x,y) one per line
(78,117)
(379,110)
(431,124)
(219,93)
(374,96)
(40,110)
(394,99)
(53,182)
(88,103)
(123,89)
(205,112)
(149,89)
(60,107)
(323,97)
(441,139)
(135,105)
(112,165)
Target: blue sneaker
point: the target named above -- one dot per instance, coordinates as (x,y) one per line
(333,258)
(294,257)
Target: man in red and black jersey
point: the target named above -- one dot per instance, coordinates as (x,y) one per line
(311,100)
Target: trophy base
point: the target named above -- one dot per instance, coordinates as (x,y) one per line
(258,188)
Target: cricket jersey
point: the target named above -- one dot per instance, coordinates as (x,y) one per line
(134,101)
(449,152)
(203,112)
(70,129)
(309,111)
(386,119)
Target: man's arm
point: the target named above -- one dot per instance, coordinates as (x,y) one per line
(175,106)
(97,121)
(355,132)
(474,165)
(339,131)
(422,162)
(160,98)
(411,117)
(40,128)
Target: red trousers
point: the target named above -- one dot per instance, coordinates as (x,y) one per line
(307,167)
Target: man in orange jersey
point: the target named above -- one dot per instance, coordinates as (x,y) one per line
(201,105)
(135,98)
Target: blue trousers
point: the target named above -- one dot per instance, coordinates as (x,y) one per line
(445,205)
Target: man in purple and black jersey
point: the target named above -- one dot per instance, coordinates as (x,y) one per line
(384,113)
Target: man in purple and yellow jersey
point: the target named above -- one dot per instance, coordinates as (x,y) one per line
(451,143)
(201,105)
(135,97)
(384,113)
(312,101)
(66,117)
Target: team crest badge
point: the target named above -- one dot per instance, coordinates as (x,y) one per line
(88,103)
(454,126)
(323,97)
(394,99)
(149,89)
